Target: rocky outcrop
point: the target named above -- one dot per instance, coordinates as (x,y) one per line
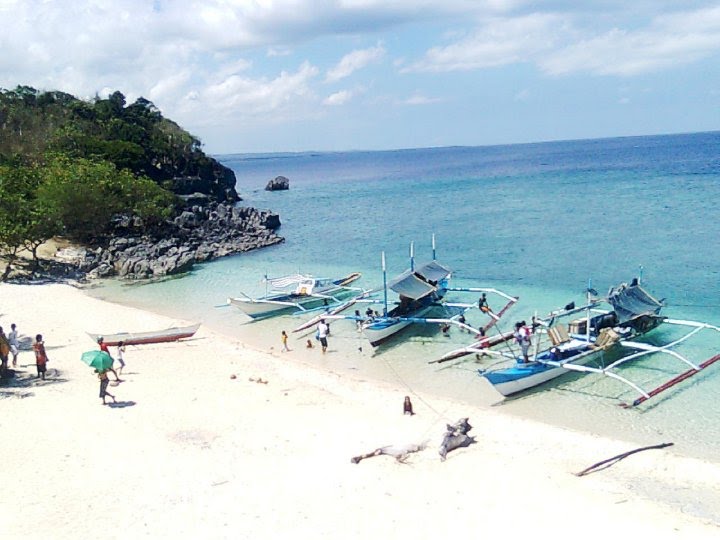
(211,178)
(200,233)
(278,183)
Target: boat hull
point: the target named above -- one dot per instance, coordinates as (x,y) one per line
(522,377)
(144,338)
(379,331)
(278,304)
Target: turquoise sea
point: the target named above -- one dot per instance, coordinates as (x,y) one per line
(535,220)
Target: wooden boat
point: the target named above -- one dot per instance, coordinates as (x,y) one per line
(635,312)
(421,291)
(309,293)
(143,338)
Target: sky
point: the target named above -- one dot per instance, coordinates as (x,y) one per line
(333,75)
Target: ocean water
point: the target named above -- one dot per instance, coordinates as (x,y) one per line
(538,221)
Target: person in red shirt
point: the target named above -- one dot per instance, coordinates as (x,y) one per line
(104,348)
(41,358)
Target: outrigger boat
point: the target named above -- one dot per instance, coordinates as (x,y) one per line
(143,338)
(421,290)
(309,293)
(635,312)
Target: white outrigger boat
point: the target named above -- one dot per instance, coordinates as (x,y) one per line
(635,312)
(309,293)
(421,290)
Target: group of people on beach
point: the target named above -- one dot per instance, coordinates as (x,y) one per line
(321,334)
(10,345)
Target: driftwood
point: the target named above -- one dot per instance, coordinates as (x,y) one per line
(399,452)
(602,465)
(456,436)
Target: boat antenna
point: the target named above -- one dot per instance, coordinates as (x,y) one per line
(640,272)
(412,256)
(589,299)
(433,246)
(385,304)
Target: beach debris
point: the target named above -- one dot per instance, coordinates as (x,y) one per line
(604,464)
(456,436)
(399,451)
(259,380)
(233,376)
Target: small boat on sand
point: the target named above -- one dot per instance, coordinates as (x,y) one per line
(144,338)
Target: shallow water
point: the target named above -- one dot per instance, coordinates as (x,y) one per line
(537,221)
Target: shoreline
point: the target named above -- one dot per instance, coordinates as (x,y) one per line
(196,452)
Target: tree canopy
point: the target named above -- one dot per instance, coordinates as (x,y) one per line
(68,166)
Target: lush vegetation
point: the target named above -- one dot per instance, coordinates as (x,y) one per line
(68,166)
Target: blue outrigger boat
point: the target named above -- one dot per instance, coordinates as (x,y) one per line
(635,312)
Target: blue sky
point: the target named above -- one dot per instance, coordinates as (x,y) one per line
(295,75)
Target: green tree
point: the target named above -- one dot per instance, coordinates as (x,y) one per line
(83,196)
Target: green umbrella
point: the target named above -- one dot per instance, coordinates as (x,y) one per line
(100,360)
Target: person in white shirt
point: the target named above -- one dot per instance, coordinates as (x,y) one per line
(322,333)
(14,344)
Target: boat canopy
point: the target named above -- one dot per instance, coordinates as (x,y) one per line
(284,281)
(632,300)
(420,282)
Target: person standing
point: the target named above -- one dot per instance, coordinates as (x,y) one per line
(14,343)
(284,338)
(322,333)
(522,337)
(121,356)
(41,358)
(4,351)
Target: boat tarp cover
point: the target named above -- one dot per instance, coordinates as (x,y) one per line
(433,271)
(629,301)
(421,282)
(284,281)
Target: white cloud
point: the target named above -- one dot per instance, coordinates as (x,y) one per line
(419,99)
(669,40)
(239,96)
(354,61)
(338,98)
(497,42)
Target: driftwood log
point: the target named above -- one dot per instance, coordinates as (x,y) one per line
(399,452)
(456,436)
(604,464)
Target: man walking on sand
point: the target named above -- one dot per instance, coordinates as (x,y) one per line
(322,333)
(14,343)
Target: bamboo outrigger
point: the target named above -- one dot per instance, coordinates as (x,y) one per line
(635,313)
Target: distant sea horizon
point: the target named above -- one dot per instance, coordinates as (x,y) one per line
(224,156)
(538,220)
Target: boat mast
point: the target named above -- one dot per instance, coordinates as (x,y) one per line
(433,246)
(640,271)
(385,301)
(412,256)
(587,319)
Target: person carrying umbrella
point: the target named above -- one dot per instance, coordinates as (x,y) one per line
(104,381)
(102,362)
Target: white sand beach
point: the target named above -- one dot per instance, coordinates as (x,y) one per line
(195,453)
